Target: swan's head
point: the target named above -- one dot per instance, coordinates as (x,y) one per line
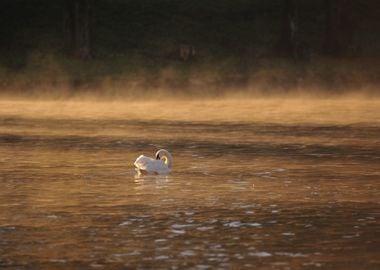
(165,156)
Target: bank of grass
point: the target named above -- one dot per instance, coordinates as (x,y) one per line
(136,75)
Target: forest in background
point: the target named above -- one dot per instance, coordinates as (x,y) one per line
(121,47)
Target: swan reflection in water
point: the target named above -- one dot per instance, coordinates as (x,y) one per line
(148,179)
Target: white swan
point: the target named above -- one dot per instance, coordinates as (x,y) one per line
(161,165)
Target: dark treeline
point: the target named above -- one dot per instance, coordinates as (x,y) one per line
(81,42)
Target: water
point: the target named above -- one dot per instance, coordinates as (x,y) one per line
(242,195)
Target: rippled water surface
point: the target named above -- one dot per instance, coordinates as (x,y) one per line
(242,195)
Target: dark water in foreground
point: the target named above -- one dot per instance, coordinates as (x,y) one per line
(241,196)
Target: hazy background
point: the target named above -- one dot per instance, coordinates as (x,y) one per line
(270,109)
(143,48)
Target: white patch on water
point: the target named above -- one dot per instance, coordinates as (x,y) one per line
(161,257)
(254,224)
(288,234)
(238,256)
(205,228)
(234,224)
(57,260)
(189,253)
(181,226)
(313,264)
(160,240)
(126,223)
(260,254)
(290,254)
(178,231)
(237,224)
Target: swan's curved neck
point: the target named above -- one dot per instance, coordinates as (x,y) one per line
(167,160)
(165,156)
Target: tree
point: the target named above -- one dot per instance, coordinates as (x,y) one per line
(289,40)
(339,27)
(77,28)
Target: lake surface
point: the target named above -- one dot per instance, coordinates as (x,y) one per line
(296,191)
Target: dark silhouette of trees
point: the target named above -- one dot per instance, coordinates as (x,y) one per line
(289,44)
(77,28)
(338,40)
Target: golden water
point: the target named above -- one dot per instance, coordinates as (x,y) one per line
(256,184)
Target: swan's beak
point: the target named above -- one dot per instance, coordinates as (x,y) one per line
(157,157)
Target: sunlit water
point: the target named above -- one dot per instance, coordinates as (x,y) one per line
(242,195)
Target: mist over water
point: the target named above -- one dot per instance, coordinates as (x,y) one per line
(354,109)
(257,183)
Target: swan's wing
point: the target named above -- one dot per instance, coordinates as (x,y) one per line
(158,166)
(148,164)
(142,162)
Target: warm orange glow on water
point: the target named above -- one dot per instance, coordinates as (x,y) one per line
(263,183)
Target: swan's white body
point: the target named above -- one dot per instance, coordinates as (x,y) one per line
(161,165)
